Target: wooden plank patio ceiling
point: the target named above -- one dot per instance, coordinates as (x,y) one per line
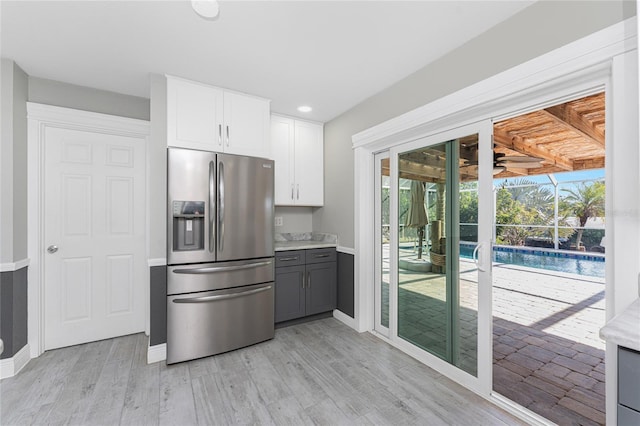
(567,137)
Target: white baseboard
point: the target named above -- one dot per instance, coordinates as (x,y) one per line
(347,250)
(346,319)
(14,266)
(9,367)
(157,262)
(156,353)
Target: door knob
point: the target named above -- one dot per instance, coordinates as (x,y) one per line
(52,249)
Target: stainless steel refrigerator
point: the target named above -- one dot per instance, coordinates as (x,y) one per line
(220,266)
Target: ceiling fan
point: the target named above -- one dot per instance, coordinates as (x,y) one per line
(502,162)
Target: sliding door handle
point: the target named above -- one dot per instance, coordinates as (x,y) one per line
(479,262)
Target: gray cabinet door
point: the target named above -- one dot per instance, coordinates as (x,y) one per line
(629,378)
(290,293)
(321,287)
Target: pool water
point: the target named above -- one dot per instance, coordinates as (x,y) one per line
(591,266)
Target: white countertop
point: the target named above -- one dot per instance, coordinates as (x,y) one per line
(304,240)
(624,329)
(301,245)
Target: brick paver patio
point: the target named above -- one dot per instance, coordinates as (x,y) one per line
(547,353)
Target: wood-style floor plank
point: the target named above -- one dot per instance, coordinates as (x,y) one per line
(318,373)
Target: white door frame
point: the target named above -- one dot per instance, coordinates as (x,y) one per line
(378,326)
(39,118)
(605,60)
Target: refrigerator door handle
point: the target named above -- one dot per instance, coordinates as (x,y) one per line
(214,269)
(212,202)
(220,206)
(206,299)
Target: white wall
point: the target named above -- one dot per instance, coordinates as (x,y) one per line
(538,29)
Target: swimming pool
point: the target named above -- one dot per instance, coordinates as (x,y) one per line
(574,263)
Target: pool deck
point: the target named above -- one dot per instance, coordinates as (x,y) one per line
(547,354)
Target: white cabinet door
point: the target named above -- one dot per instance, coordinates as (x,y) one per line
(246,125)
(282,144)
(194,115)
(309,164)
(94,205)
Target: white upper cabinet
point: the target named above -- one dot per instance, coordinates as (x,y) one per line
(209,118)
(297,148)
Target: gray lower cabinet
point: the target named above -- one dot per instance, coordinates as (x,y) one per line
(306,283)
(628,387)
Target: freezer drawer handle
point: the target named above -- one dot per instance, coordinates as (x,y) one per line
(220,268)
(206,299)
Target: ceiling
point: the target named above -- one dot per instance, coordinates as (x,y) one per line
(330,55)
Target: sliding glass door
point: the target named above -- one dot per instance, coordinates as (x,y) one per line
(442,220)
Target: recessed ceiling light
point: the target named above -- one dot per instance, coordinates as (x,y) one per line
(305,108)
(208,9)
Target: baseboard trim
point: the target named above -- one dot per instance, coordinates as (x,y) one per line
(14,266)
(157,262)
(9,367)
(346,250)
(156,353)
(345,319)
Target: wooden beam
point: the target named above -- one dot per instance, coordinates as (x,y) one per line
(589,163)
(516,143)
(569,117)
(417,169)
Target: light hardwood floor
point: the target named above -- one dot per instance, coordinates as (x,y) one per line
(315,373)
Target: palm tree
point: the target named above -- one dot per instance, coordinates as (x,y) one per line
(584,201)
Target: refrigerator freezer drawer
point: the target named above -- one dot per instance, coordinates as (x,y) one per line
(216,276)
(212,322)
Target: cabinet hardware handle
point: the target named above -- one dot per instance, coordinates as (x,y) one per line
(321,255)
(292,191)
(286,259)
(308,280)
(219,134)
(227,135)
(298,190)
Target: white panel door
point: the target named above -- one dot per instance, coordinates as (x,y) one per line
(282,136)
(246,129)
(309,168)
(94,201)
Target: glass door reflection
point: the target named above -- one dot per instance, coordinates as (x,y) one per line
(437,215)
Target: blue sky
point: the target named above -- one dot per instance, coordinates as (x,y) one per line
(560,177)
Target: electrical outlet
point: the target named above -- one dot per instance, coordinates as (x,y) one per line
(278,220)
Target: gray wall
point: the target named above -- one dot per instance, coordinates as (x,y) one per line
(346,294)
(295,219)
(158,305)
(536,30)
(66,95)
(13,311)
(157,172)
(13,155)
